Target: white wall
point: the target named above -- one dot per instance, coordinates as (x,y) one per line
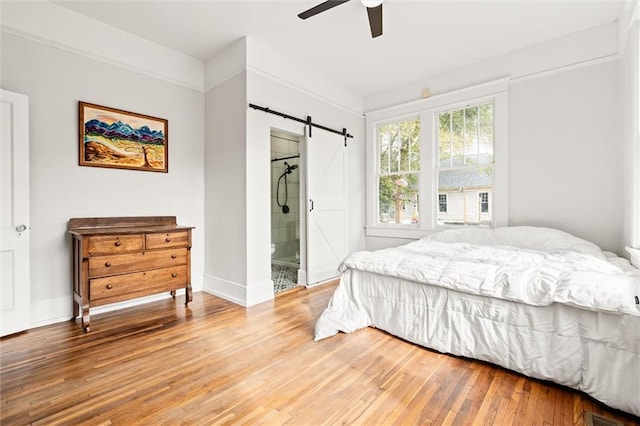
(270,93)
(65,29)
(565,153)
(565,149)
(239,253)
(599,43)
(630,89)
(225,190)
(299,96)
(268,61)
(55,80)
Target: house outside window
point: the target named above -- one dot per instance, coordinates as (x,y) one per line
(398,171)
(445,157)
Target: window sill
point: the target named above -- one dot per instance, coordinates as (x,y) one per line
(411,232)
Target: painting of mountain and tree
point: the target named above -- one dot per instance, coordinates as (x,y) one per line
(120,139)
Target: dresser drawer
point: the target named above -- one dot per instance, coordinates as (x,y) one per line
(101,266)
(167,239)
(137,284)
(115,244)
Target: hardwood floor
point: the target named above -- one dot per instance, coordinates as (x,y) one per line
(215,362)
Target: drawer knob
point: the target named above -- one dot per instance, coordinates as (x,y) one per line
(174,275)
(173,256)
(168,239)
(117,243)
(109,286)
(108,264)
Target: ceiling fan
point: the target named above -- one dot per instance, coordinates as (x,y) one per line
(374,10)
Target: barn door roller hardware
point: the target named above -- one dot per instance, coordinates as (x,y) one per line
(307,121)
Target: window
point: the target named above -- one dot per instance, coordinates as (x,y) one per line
(442,201)
(465,163)
(484,202)
(398,171)
(444,156)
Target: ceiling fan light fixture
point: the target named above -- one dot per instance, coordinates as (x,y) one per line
(371,3)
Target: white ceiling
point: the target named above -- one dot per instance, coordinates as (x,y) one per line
(421,38)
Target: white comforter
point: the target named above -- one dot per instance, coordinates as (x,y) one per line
(535,277)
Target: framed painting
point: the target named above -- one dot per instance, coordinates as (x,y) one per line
(120,139)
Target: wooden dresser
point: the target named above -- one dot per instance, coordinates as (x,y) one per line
(121,258)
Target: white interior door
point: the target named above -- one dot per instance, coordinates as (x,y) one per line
(326,205)
(15,297)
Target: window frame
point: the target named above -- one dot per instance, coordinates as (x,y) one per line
(428,109)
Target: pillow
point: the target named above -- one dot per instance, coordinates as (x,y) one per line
(464,235)
(545,239)
(527,237)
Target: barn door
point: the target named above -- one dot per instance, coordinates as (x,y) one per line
(14,214)
(326,205)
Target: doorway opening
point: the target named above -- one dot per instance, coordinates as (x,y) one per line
(285,210)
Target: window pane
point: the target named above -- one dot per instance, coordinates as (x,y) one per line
(405,144)
(444,139)
(384,153)
(485,130)
(462,188)
(471,136)
(399,156)
(415,154)
(457,138)
(414,144)
(398,198)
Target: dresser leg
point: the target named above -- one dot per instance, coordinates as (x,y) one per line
(188,296)
(85,318)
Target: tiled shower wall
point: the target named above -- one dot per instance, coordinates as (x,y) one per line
(283,226)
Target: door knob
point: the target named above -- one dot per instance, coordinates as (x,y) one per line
(21,228)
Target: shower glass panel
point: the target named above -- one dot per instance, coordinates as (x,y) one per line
(285,200)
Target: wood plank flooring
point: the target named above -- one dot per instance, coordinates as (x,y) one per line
(218,363)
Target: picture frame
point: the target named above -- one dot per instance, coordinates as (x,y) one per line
(120,139)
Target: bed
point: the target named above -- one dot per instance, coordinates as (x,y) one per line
(538,301)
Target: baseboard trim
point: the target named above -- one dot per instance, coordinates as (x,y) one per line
(238,293)
(225,289)
(53,311)
(260,292)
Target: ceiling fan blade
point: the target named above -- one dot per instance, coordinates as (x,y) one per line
(375,20)
(321,8)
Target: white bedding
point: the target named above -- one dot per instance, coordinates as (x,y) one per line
(537,301)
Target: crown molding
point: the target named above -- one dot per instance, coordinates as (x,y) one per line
(91,38)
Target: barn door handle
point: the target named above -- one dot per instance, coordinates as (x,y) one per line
(311,201)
